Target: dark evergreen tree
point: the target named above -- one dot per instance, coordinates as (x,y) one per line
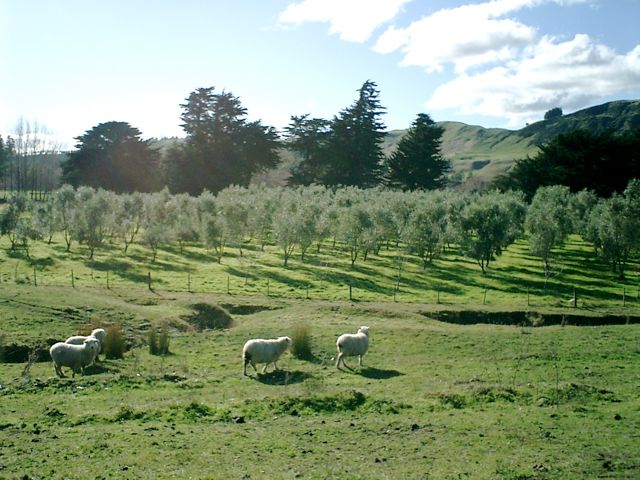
(417,163)
(308,137)
(221,147)
(112,156)
(354,151)
(553,113)
(601,162)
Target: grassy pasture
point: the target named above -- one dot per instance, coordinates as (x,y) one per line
(514,281)
(433,400)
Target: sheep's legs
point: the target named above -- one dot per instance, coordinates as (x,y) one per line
(245,367)
(359,360)
(58,370)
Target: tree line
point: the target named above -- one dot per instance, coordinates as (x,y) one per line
(222,148)
(356,222)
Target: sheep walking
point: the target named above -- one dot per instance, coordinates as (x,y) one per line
(75,357)
(264,351)
(352,344)
(99,334)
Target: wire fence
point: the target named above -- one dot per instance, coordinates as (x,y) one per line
(355,289)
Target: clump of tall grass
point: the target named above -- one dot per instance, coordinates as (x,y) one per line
(159,342)
(302,341)
(114,344)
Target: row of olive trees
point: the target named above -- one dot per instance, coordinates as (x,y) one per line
(359,221)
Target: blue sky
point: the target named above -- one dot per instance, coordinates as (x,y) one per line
(71,64)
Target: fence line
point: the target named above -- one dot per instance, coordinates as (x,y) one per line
(345,290)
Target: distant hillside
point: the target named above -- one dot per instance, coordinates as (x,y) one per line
(479,154)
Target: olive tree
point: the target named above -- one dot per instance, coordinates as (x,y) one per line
(210,226)
(614,227)
(182,209)
(128,217)
(426,228)
(156,228)
(65,208)
(92,219)
(548,222)
(488,224)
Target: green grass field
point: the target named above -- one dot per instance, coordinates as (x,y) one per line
(433,400)
(514,281)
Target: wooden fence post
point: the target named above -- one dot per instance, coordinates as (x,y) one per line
(350,292)
(149,281)
(575,298)
(484,297)
(73,283)
(35,277)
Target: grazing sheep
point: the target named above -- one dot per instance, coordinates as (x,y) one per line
(352,344)
(264,351)
(99,334)
(74,356)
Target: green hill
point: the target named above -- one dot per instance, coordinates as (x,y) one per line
(479,154)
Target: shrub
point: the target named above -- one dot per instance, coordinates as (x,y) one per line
(153,340)
(159,344)
(114,343)
(163,341)
(302,341)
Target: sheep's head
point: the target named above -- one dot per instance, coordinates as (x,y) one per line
(99,333)
(285,340)
(91,343)
(364,329)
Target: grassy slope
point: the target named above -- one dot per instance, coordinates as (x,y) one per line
(457,280)
(434,400)
(448,401)
(487,152)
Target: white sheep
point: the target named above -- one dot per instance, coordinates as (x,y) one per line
(74,356)
(264,351)
(98,333)
(352,344)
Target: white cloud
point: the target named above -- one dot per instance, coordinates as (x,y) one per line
(353,20)
(569,74)
(467,36)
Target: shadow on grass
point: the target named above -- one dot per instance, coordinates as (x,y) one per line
(96,369)
(379,374)
(371,372)
(282,377)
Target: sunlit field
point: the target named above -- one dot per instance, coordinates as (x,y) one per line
(529,399)
(514,280)
(432,400)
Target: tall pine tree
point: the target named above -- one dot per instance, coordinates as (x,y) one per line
(308,137)
(417,163)
(221,148)
(113,156)
(354,151)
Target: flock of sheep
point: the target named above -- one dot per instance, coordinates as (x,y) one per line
(79,351)
(268,351)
